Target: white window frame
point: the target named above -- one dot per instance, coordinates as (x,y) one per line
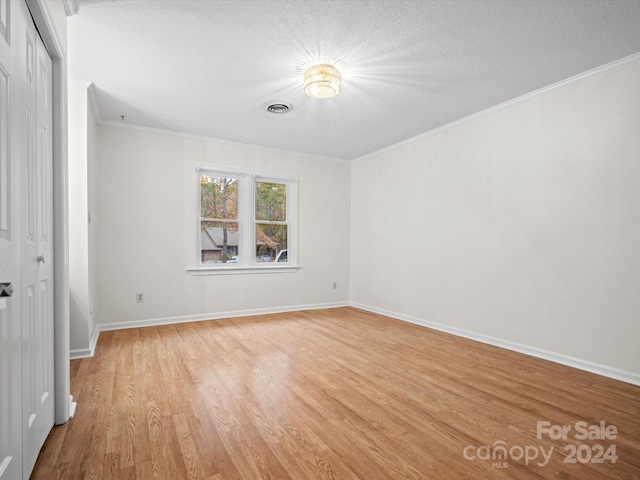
(246,221)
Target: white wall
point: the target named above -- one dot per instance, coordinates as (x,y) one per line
(82,147)
(92,200)
(78,229)
(138,235)
(522,224)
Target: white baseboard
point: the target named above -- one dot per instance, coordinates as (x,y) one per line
(604,370)
(72,406)
(80,353)
(215,316)
(86,352)
(611,372)
(152,322)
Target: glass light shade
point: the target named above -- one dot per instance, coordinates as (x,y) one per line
(322,81)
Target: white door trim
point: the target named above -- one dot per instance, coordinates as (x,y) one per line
(57,51)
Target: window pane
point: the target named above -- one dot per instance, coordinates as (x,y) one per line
(219,242)
(218,197)
(271,243)
(271,201)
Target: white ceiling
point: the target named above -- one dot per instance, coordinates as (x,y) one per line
(208,67)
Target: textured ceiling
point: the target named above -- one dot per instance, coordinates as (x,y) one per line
(208,67)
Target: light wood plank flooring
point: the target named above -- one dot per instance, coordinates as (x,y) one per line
(330,394)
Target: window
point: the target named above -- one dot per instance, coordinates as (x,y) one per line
(219,225)
(246,221)
(271,221)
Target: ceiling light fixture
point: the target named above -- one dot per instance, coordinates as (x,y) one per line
(322,81)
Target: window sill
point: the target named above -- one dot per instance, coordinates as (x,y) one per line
(200,271)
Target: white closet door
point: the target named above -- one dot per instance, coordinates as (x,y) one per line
(37,261)
(26,316)
(10,332)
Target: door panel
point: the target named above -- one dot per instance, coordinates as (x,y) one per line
(44,166)
(37,340)
(4,153)
(10,397)
(10,332)
(4,20)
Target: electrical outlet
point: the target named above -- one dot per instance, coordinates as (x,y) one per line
(139,297)
(335,285)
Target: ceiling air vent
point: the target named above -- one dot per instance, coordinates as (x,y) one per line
(278,107)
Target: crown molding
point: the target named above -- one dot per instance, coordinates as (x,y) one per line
(631,59)
(162,131)
(71,7)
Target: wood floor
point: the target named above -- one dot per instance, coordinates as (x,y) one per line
(332,394)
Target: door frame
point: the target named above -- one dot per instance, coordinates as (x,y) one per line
(57,50)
